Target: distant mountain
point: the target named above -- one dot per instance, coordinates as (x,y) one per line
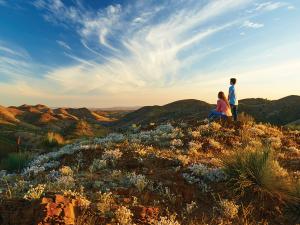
(32,122)
(279,112)
(120,108)
(179,110)
(42,115)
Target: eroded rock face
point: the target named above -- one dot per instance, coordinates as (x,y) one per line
(59,209)
(21,212)
(55,209)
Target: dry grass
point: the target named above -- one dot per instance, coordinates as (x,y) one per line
(254,171)
(54,139)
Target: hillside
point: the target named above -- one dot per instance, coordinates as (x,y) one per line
(278,112)
(171,174)
(32,123)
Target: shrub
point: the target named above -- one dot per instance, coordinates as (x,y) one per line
(124,215)
(15,161)
(176,143)
(112,154)
(228,208)
(256,171)
(214,144)
(164,220)
(105,202)
(139,181)
(35,192)
(66,171)
(97,164)
(63,183)
(54,139)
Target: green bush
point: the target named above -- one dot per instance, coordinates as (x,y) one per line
(255,171)
(15,161)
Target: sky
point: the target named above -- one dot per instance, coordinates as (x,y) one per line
(105,53)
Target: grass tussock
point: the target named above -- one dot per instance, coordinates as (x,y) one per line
(53,139)
(15,161)
(256,171)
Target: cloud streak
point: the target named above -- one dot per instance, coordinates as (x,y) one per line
(63,44)
(253,25)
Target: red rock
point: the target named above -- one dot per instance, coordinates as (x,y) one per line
(53,209)
(143,213)
(46,200)
(126,200)
(69,211)
(61,199)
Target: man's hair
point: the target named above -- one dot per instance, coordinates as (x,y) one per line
(233,80)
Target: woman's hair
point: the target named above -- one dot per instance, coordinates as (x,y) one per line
(222,96)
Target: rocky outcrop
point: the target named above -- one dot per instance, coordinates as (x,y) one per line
(21,212)
(55,209)
(59,209)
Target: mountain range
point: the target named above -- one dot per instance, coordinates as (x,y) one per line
(279,112)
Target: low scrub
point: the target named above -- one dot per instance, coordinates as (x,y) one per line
(54,139)
(256,171)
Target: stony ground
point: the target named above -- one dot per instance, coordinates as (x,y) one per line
(161,174)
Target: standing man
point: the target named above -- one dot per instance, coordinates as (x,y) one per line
(232,98)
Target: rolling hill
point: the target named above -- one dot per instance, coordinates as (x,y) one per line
(32,122)
(179,110)
(278,112)
(41,115)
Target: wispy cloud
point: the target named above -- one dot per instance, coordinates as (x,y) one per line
(253,25)
(13,61)
(272,5)
(63,44)
(145,53)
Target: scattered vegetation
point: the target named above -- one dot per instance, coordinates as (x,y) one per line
(171,174)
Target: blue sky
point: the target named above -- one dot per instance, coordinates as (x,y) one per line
(143,52)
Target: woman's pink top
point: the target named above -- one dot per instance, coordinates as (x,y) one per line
(223,107)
